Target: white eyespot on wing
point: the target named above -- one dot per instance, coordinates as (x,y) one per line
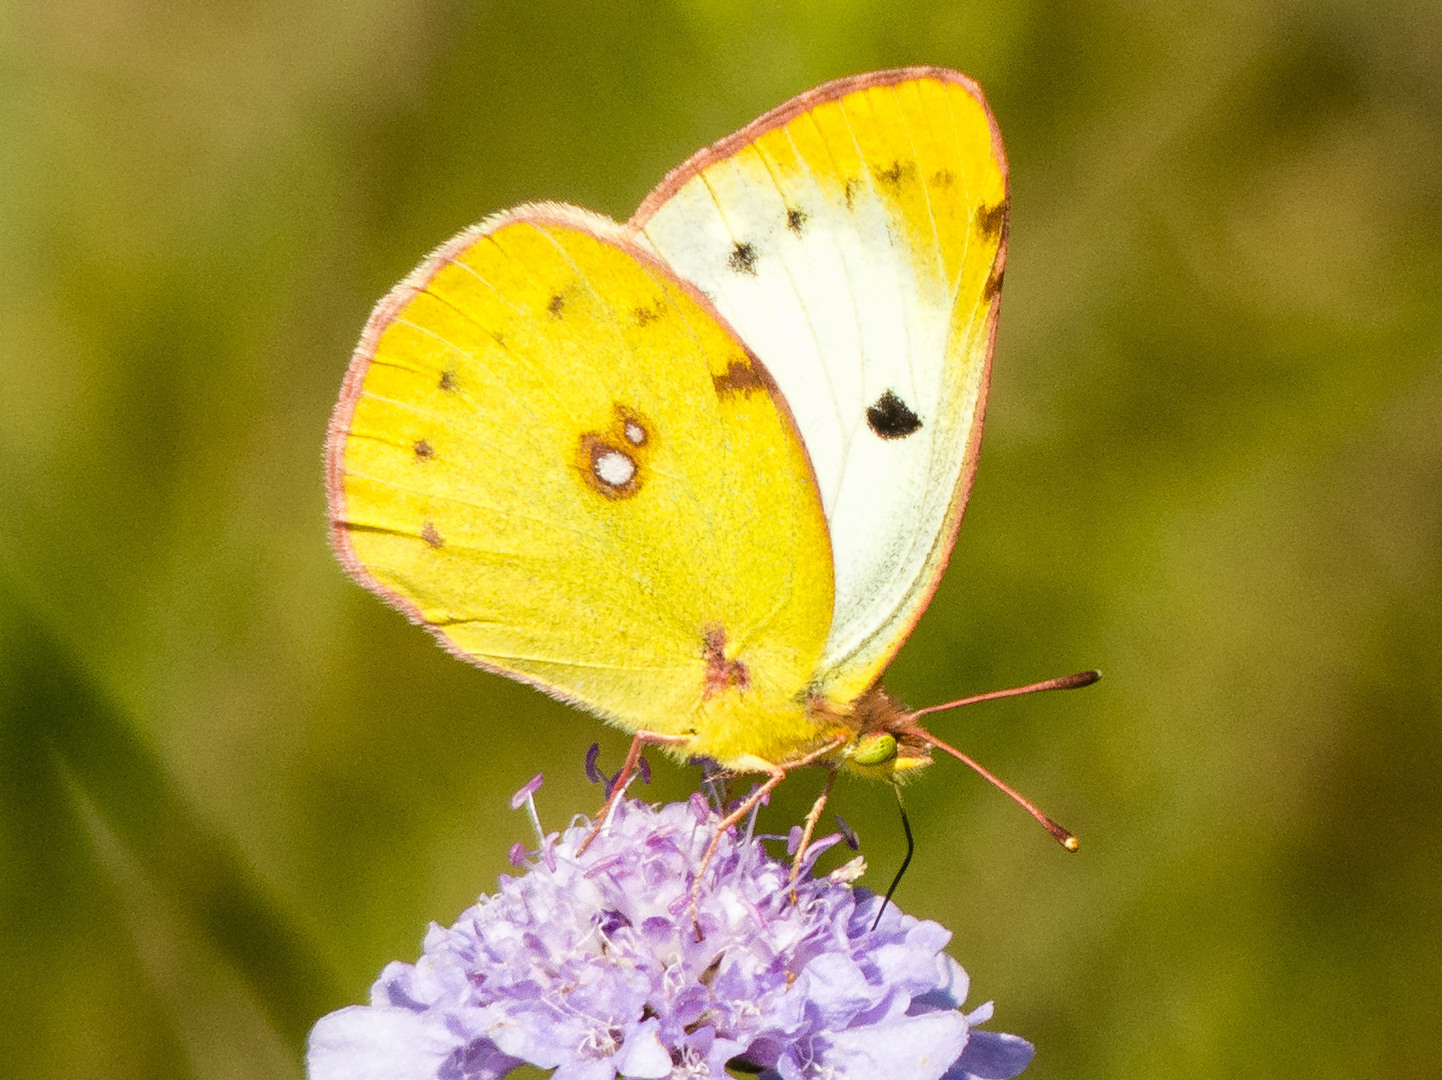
(614,468)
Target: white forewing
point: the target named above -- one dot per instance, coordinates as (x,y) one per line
(844,289)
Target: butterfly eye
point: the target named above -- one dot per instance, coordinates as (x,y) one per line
(874,749)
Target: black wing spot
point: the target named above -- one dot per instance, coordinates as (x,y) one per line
(447,381)
(743,258)
(430,536)
(556,306)
(796,221)
(944,179)
(850,193)
(424,450)
(890,417)
(991,220)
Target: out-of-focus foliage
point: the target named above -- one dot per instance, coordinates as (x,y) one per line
(233,785)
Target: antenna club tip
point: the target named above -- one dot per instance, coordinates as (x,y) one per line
(1083,678)
(1071,843)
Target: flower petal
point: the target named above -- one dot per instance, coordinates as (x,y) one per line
(914,1047)
(836,986)
(643,1056)
(359,1043)
(991,1055)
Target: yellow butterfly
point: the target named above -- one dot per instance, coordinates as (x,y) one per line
(699,473)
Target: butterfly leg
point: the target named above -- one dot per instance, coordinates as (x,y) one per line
(777,773)
(809,828)
(623,778)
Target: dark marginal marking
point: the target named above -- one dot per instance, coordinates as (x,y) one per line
(993,284)
(448,381)
(556,306)
(740,377)
(424,450)
(606,468)
(743,258)
(850,193)
(891,177)
(943,179)
(646,316)
(796,221)
(891,418)
(430,536)
(721,674)
(991,220)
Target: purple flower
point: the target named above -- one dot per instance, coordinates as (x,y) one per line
(589,965)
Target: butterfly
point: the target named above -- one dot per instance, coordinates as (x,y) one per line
(699,473)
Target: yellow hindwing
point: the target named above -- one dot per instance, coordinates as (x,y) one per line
(560,460)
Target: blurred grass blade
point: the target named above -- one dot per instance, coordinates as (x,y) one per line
(49,704)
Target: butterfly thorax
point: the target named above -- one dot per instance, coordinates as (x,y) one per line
(873,736)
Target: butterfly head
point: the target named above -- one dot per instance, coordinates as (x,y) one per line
(886,744)
(889,741)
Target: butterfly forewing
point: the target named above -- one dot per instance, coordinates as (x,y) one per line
(854,238)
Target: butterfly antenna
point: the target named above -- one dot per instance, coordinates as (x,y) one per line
(1065,837)
(905,862)
(1061,682)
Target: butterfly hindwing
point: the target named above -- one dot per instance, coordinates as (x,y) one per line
(557,457)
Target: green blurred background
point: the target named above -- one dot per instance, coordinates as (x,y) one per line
(233,785)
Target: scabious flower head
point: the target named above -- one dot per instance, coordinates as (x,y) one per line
(589,964)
